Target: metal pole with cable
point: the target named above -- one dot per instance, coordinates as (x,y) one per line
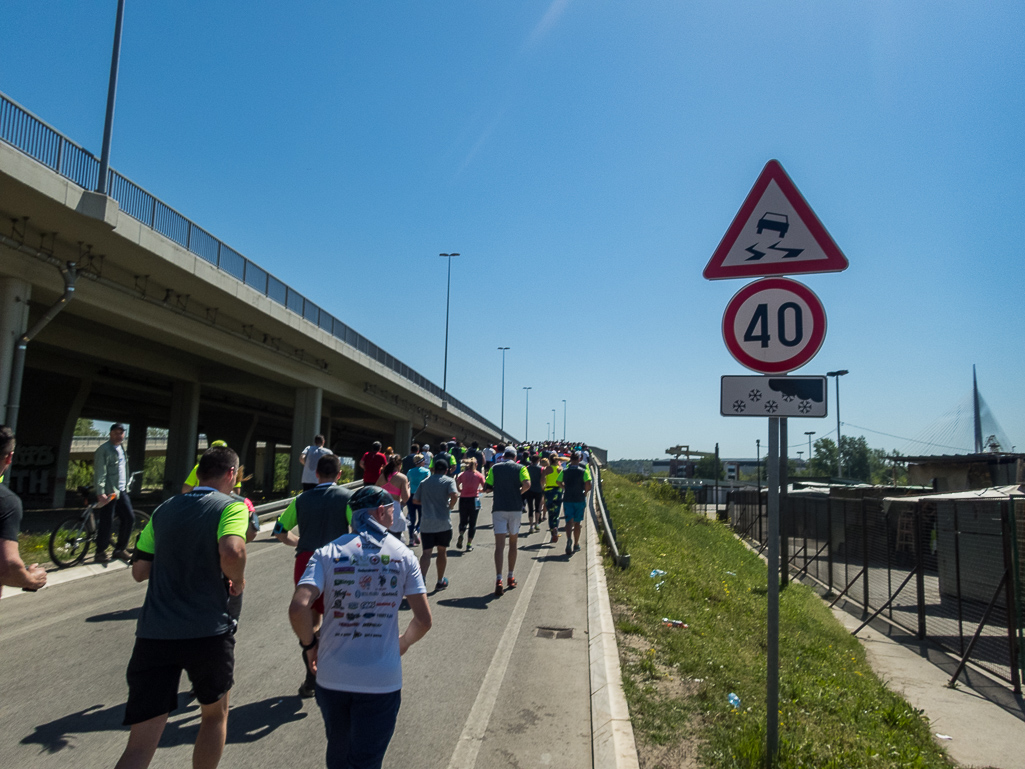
(108,121)
(526,425)
(448,295)
(838,374)
(501,424)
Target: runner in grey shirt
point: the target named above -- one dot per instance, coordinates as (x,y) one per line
(436,495)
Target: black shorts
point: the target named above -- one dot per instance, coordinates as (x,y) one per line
(155,669)
(437,539)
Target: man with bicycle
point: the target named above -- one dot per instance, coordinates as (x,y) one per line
(193,553)
(110,474)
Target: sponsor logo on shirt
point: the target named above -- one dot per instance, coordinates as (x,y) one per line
(375,559)
(341,594)
(345,570)
(385,559)
(345,582)
(390,592)
(341,559)
(368,605)
(347,624)
(381,580)
(386,603)
(353,604)
(371,624)
(364,582)
(339,614)
(369,615)
(352,615)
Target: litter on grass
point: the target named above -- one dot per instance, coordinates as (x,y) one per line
(657,573)
(659,585)
(673,622)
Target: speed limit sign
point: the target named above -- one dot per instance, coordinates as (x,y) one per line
(774,325)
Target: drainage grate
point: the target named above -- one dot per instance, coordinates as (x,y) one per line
(554,632)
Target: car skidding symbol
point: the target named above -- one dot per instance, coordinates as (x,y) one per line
(778,222)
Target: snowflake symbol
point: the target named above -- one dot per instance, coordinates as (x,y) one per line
(755,395)
(788,398)
(804,407)
(771,406)
(739,405)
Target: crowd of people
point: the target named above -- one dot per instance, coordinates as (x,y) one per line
(355,570)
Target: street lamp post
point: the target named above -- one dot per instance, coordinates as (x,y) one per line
(526,424)
(501,424)
(809,433)
(563,421)
(553,425)
(448,295)
(838,374)
(548,429)
(108,121)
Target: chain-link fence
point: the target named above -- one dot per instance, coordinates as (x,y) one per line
(945,567)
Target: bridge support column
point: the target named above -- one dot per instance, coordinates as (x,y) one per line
(403,437)
(305,424)
(64,448)
(14,296)
(137,446)
(182,436)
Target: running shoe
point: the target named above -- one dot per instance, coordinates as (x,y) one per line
(569,547)
(555,535)
(459,542)
(511,582)
(469,546)
(498,588)
(576,548)
(441,584)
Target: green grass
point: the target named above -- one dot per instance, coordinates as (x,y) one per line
(834,711)
(34,548)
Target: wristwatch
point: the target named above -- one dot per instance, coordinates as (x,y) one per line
(310,645)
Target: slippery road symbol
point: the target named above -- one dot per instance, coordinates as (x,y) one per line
(781,224)
(778,222)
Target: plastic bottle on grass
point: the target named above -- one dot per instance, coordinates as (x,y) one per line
(734,700)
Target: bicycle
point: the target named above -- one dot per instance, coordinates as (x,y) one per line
(72,537)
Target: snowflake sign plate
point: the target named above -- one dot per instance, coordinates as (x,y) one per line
(773,396)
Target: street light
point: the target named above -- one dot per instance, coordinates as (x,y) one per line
(563,421)
(548,429)
(448,295)
(501,425)
(838,374)
(553,425)
(809,433)
(526,424)
(108,121)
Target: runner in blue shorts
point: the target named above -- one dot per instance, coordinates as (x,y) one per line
(575,480)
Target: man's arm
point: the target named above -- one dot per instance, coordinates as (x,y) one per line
(453,499)
(13,571)
(285,523)
(100,476)
(300,615)
(141,570)
(419,625)
(232,549)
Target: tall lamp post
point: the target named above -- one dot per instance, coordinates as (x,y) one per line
(553,425)
(809,433)
(526,424)
(448,295)
(501,425)
(563,421)
(838,374)
(108,121)
(548,429)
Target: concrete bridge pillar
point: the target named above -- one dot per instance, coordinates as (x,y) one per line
(403,437)
(182,436)
(14,296)
(137,445)
(64,447)
(305,424)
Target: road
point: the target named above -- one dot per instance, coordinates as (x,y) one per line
(482,689)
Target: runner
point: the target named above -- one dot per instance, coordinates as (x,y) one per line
(437,495)
(535,497)
(416,476)
(357,656)
(321,515)
(193,554)
(469,482)
(576,481)
(509,480)
(372,463)
(553,495)
(396,484)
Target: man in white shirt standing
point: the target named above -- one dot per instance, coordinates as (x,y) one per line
(356,655)
(310,457)
(110,476)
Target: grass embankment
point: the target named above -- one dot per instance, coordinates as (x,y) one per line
(834,711)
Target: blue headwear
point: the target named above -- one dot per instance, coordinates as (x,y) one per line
(364,502)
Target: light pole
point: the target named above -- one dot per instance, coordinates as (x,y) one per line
(809,433)
(553,425)
(548,429)
(448,295)
(838,374)
(501,425)
(526,424)
(108,121)
(563,421)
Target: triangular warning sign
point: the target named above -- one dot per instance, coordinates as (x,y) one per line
(774,233)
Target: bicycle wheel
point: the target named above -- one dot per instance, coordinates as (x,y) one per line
(70,541)
(141,519)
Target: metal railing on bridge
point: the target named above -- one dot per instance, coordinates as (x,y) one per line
(34,137)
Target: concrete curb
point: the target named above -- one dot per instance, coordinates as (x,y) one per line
(612,734)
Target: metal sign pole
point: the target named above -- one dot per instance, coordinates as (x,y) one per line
(772,646)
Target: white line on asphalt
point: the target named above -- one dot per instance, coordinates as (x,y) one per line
(465,754)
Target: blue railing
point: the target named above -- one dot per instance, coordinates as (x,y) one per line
(24,131)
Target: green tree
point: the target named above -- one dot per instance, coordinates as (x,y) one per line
(824,460)
(156,432)
(84,428)
(705,468)
(886,472)
(854,453)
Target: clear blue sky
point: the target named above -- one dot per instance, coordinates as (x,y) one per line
(585,158)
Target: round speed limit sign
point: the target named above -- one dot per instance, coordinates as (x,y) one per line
(774,325)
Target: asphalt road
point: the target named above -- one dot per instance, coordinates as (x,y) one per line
(482,689)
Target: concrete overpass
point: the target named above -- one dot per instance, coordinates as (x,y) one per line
(156,323)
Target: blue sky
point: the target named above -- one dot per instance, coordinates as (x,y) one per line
(585,158)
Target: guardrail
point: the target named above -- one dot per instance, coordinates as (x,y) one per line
(41,141)
(622,560)
(269,510)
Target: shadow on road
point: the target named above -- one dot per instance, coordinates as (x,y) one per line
(112,616)
(469,602)
(246,723)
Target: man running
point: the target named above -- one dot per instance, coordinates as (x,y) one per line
(553,494)
(310,458)
(193,552)
(437,496)
(575,481)
(372,463)
(509,481)
(535,496)
(417,475)
(357,656)
(320,514)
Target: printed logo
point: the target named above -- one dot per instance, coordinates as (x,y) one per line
(368,605)
(385,559)
(371,624)
(339,615)
(353,604)
(356,634)
(369,615)
(364,582)
(374,560)
(394,581)
(341,594)
(345,582)
(390,592)
(347,624)
(352,615)
(341,559)
(337,604)
(345,569)
(358,594)
(381,580)
(386,603)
